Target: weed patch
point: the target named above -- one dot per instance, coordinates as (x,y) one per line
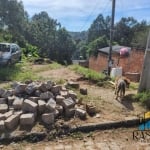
(88,73)
(143,97)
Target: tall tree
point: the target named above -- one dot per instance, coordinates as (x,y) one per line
(141,31)
(124,31)
(65,46)
(42,32)
(13,18)
(100,27)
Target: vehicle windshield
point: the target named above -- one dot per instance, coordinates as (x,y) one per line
(4,47)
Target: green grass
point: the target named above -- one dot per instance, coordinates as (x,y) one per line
(134,86)
(22,71)
(143,97)
(46,67)
(88,73)
(19,72)
(55,65)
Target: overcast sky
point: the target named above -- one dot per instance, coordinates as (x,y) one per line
(77,15)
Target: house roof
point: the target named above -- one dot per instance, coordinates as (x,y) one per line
(115,49)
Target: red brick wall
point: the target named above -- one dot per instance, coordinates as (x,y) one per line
(132,64)
(98,63)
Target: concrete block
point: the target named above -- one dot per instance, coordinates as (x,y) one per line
(17,103)
(7,93)
(2,117)
(56,113)
(19,113)
(34,99)
(11,108)
(56,89)
(27,119)
(2,91)
(46,95)
(3,108)
(20,88)
(8,114)
(49,85)
(2,125)
(59,99)
(68,103)
(91,109)
(48,118)
(12,122)
(29,106)
(3,100)
(83,91)
(37,93)
(41,106)
(11,100)
(64,94)
(69,112)
(30,88)
(72,94)
(80,113)
(59,108)
(51,105)
(73,84)
(42,87)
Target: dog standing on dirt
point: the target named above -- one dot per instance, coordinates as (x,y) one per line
(121,83)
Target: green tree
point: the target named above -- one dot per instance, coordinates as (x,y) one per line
(124,31)
(42,32)
(100,27)
(13,18)
(65,46)
(97,44)
(140,35)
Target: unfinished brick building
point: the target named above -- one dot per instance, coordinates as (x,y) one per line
(131,64)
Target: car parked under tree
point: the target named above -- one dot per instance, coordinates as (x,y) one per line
(10,53)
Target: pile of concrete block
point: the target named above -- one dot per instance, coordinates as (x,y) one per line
(25,103)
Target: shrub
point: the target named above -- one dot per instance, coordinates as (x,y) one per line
(144,98)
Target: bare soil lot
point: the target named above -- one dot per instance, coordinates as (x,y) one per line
(108,108)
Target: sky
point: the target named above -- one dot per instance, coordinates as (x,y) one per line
(78,15)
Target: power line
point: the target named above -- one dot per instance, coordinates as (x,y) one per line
(93,11)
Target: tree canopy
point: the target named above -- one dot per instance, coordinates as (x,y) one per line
(42,35)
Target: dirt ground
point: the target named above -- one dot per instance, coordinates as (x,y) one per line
(104,98)
(119,139)
(109,109)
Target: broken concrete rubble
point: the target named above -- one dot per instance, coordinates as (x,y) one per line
(26,102)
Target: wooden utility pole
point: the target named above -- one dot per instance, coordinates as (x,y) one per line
(111,37)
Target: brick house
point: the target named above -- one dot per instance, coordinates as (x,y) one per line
(131,64)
